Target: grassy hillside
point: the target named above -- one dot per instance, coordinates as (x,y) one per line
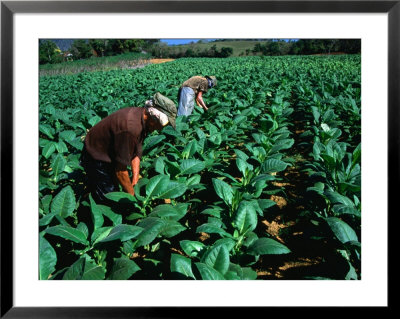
(239,47)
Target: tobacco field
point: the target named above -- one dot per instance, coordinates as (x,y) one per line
(265,185)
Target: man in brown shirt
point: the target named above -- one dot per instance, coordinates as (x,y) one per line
(192,90)
(116,142)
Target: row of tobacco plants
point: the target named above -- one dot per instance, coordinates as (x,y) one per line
(330,102)
(206,186)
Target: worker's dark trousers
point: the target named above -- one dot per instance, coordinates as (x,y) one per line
(100,177)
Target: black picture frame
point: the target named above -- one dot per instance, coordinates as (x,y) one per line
(9,8)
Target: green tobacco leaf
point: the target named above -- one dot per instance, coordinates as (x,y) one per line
(241,154)
(234,272)
(316,114)
(216,211)
(242,273)
(152,141)
(223,190)
(64,203)
(45,220)
(242,165)
(123,269)
(173,190)
(344,209)
(249,274)
(77,143)
(69,233)
(250,238)
(61,147)
(229,243)
(212,229)
(67,135)
(58,164)
(356,155)
(94,120)
(121,197)
(337,198)
(208,273)
(100,233)
(47,130)
(108,212)
(159,165)
(191,166)
(218,258)
(45,203)
(282,145)
(49,149)
(152,227)
(182,265)
(167,211)
(273,165)
(47,259)
(192,248)
(215,138)
(265,203)
(97,216)
(245,217)
(122,232)
(171,228)
(83,228)
(267,246)
(172,168)
(93,271)
(75,272)
(189,150)
(157,185)
(342,230)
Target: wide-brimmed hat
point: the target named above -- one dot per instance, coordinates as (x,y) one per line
(213,80)
(167,106)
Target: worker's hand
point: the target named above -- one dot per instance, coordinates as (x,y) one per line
(135,170)
(205,108)
(135,179)
(122,175)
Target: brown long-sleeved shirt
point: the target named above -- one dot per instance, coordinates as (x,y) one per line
(197,83)
(118,137)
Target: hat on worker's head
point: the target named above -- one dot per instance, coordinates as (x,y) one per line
(213,80)
(167,106)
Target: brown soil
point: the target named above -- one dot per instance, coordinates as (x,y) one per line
(158,61)
(279,200)
(281,225)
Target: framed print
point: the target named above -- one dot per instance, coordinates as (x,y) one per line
(260,181)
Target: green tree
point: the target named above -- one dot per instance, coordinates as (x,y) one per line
(273,48)
(99,46)
(189,53)
(80,49)
(49,52)
(225,52)
(257,48)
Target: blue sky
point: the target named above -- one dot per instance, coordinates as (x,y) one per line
(179,41)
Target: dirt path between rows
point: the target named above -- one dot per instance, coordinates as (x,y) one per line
(281,223)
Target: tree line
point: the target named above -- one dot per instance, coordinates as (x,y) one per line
(307,46)
(189,51)
(49,52)
(84,49)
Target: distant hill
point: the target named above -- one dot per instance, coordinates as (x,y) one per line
(238,46)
